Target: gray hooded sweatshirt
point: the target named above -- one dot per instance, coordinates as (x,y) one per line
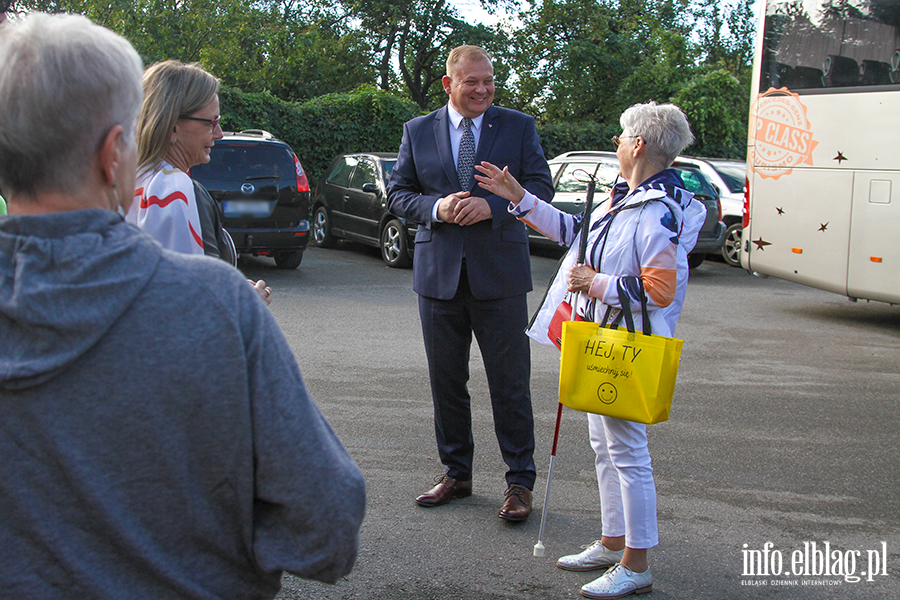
(156,438)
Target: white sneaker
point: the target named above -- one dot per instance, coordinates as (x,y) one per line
(595,556)
(617,582)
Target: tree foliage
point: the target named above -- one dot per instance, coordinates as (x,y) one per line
(717,109)
(576,57)
(286,47)
(574,64)
(410,39)
(585,61)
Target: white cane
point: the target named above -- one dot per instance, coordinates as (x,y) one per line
(582,251)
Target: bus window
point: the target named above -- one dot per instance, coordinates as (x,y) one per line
(825,46)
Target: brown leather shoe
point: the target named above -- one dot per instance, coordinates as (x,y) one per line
(518,503)
(446,489)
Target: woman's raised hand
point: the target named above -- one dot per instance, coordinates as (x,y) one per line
(499,182)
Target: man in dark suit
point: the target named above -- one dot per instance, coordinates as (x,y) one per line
(472,270)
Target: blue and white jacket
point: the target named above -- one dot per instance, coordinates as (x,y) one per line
(645,234)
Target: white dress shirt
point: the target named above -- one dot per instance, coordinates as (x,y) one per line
(456,133)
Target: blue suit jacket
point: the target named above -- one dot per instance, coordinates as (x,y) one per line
(496,249)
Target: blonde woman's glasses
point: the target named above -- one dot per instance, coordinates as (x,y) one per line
(211,122)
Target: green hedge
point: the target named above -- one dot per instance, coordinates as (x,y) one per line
(366,120)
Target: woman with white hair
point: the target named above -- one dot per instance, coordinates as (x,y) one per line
(638,242)
(157,438)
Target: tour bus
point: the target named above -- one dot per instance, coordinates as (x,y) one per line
(824,147)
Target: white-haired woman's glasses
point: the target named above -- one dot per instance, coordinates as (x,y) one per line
(617,139)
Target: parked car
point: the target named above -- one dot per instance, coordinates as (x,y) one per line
(351,203)
(264,194)
(570,184)
(730,176)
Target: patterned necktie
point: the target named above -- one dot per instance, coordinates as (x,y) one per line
(466,162)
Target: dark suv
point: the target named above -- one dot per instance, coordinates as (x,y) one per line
(264,194)
(352,203)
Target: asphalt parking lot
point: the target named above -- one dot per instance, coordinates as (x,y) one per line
(782,438)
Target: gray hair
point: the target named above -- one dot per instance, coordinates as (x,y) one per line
(663,127)
(171,89)
(64,84)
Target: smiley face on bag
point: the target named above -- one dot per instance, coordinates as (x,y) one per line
(607,393)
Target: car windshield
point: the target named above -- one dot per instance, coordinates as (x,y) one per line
(574,176)
(343,168)
(232,161)
(695,181)
(388,166)
(364,173)
(732,174)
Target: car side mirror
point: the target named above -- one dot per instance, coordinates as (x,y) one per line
(370,188)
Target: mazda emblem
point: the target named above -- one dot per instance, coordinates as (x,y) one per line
(247,188)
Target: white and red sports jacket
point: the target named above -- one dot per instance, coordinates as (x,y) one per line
(165,207)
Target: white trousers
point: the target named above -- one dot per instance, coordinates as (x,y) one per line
(625,478)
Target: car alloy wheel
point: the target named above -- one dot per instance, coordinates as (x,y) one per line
(322,229)
(731,251)
(393,244)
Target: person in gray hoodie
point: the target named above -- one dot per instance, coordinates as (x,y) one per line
(157,440)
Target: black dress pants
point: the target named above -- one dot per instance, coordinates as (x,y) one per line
(499,326)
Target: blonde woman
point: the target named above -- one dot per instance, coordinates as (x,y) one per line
(177,128)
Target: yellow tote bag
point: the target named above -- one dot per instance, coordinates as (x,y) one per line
(616,373)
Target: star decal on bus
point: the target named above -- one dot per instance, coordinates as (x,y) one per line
(780,210)
(840,157)
(761,244)
(823,226)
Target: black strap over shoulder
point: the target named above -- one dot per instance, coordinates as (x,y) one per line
(626,311)
(216,240)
